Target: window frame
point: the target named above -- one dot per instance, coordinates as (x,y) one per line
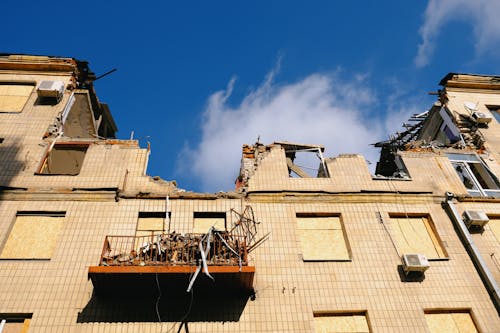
(464,161)
(430,311)
(33,84)
(494,110)
(324,215)
(43,163)
(5,241)
(434,238)
(24,318)
(343,313)
(209,215)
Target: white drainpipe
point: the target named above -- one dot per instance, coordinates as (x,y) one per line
(468,242)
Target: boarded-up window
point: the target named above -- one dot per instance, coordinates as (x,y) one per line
(64,160)
(322,238)
(416,234)
(15,323)
(33,236)
(494,225)
(450,322)
(13,96)
(204,220)
(150,223)
(341,322)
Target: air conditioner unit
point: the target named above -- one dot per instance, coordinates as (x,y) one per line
(481,117)
(51,89)
(475,218)
(414,263)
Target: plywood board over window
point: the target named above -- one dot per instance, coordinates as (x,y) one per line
(150,223)
(33,236)
(13,96)
(341,322)
(416,234)
(322,237)
(494,226)
(204,220)
(15,322)
(451,321)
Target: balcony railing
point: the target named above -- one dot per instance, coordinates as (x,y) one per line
(219,249)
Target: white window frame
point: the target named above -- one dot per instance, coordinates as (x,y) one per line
(465,161)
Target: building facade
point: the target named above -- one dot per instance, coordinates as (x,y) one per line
(90,243)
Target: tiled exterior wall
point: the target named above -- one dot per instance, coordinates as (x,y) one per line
(288,290)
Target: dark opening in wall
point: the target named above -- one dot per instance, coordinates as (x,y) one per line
(64,159)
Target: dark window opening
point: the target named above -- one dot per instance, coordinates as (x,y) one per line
(64,160)
(391,165)
(495,111)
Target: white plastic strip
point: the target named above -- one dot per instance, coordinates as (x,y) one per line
(198,269)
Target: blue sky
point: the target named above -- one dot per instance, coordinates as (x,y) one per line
(198,79)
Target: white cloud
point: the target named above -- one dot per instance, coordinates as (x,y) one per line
(319,109)
(482,15)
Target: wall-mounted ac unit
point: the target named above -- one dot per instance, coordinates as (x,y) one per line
(475,218)
(414,263)
(51,89)
(481,118)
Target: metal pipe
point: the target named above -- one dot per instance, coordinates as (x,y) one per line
(477,259)
(2,325)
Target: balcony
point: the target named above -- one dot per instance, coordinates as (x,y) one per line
(172,262)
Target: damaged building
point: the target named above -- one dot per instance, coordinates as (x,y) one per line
(90,243)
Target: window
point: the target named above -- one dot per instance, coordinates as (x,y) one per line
(416,234)
(495,111)
(443,321)
(475,175)
(13,96)
(322,237)
(33,235)
(150,223)
(341,322)
(494,226)
(64,159)
(204,220)
(15,322)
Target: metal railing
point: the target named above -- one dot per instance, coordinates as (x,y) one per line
(220,248)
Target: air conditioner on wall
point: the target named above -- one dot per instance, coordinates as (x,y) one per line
(51,89)
(481,117)
(414,262)
(475,218)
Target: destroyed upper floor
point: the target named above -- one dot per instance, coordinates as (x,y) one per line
(55,134)
(454,146)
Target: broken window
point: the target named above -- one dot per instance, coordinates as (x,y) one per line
(33,235)
(459,321)
(416,234)
(14,95)
(305,161)
(341,322)
(475,175)
(322,237)
(204,220)
(495,111)
(64,159)
(15,322)
(391,164)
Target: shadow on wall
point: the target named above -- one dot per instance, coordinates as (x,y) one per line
(185,307)
(11,164)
